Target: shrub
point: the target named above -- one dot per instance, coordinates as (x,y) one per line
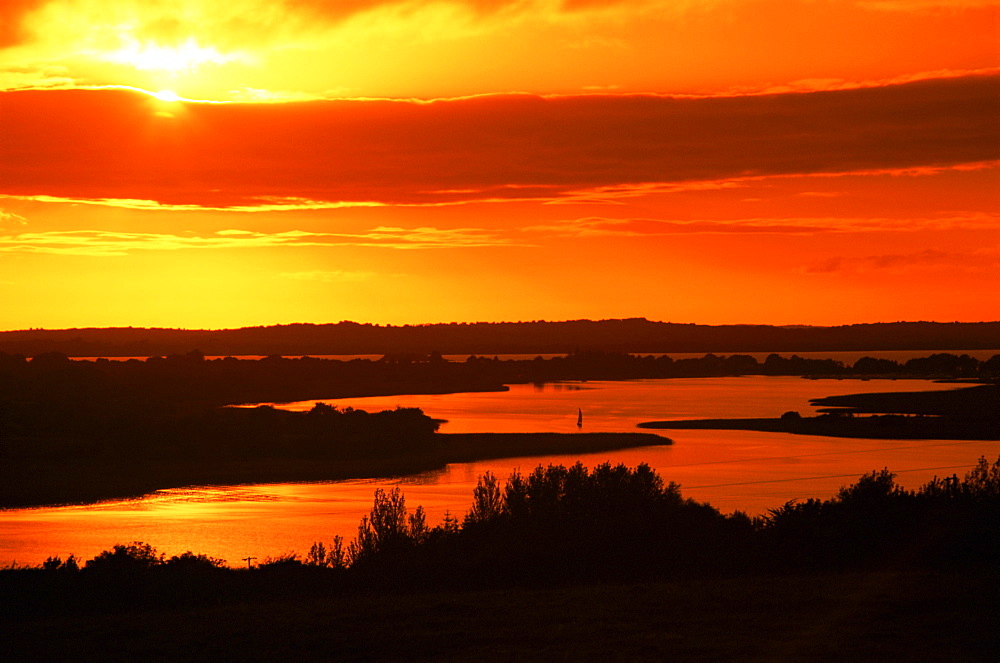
(189,561)
(57,564)
(334,557)
(487,500)
(132,558)
(388,528)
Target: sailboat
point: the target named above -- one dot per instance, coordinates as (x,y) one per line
(579,418)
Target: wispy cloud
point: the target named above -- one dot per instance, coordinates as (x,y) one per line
(11,220)
(805,85)
(253,204)
(605,227)
(926,5)
(237,22)
(985,260)
(617,194)
(105,243)
(237,29)
(821,194)
(643,227)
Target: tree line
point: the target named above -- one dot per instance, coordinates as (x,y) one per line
(555,525)
(56,408)
(537,336)
(191,379)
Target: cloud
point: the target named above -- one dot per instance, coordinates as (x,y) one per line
(12,13)
(11,220)
(100,243)
(251,204)
(647,227)
(831,84)
(109,144)
(245,20)
(980,261)
(927,5)
(246,24)
(599,227)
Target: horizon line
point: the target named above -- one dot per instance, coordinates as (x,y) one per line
(502,322)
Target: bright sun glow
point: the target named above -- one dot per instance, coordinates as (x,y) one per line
(781,161)
(175,59)
(167,95)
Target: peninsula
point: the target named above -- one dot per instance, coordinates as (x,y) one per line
(971,413)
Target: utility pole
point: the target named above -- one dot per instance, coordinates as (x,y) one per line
(248,561)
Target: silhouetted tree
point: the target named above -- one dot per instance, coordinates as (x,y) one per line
(387,529)
(131,558)
(487,500)
(190,562)
(875,366)
(57,564)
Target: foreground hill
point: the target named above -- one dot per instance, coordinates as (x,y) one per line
(876,616)
(559,564)
(629,335)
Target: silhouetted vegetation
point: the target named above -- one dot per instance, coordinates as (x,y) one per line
(84,402)
(568,524)
(143,425)
(628,335)
(971,413)
(62,455)
(52,386)
(612,562)
(559,525)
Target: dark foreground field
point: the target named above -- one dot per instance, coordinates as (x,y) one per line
(563,564)
(878,616)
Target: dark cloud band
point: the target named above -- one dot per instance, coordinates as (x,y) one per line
(112,144)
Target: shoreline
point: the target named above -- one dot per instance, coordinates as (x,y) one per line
(884,427)
(972,413)
(36,484)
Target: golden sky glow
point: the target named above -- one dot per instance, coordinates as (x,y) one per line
(206,164)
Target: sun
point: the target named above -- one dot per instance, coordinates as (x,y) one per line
(174,68)
(180,70)
(167,95)
(183,57)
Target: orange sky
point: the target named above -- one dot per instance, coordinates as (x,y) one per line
(220,164)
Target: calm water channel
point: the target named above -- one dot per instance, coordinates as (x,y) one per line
(730,469)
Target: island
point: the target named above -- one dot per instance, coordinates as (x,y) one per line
(971,413)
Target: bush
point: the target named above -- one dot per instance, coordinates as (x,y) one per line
(189,561)
(388,529)
(132,558)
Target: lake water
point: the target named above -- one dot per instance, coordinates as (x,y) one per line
(730,469)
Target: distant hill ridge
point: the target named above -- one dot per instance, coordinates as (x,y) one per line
(634,335)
